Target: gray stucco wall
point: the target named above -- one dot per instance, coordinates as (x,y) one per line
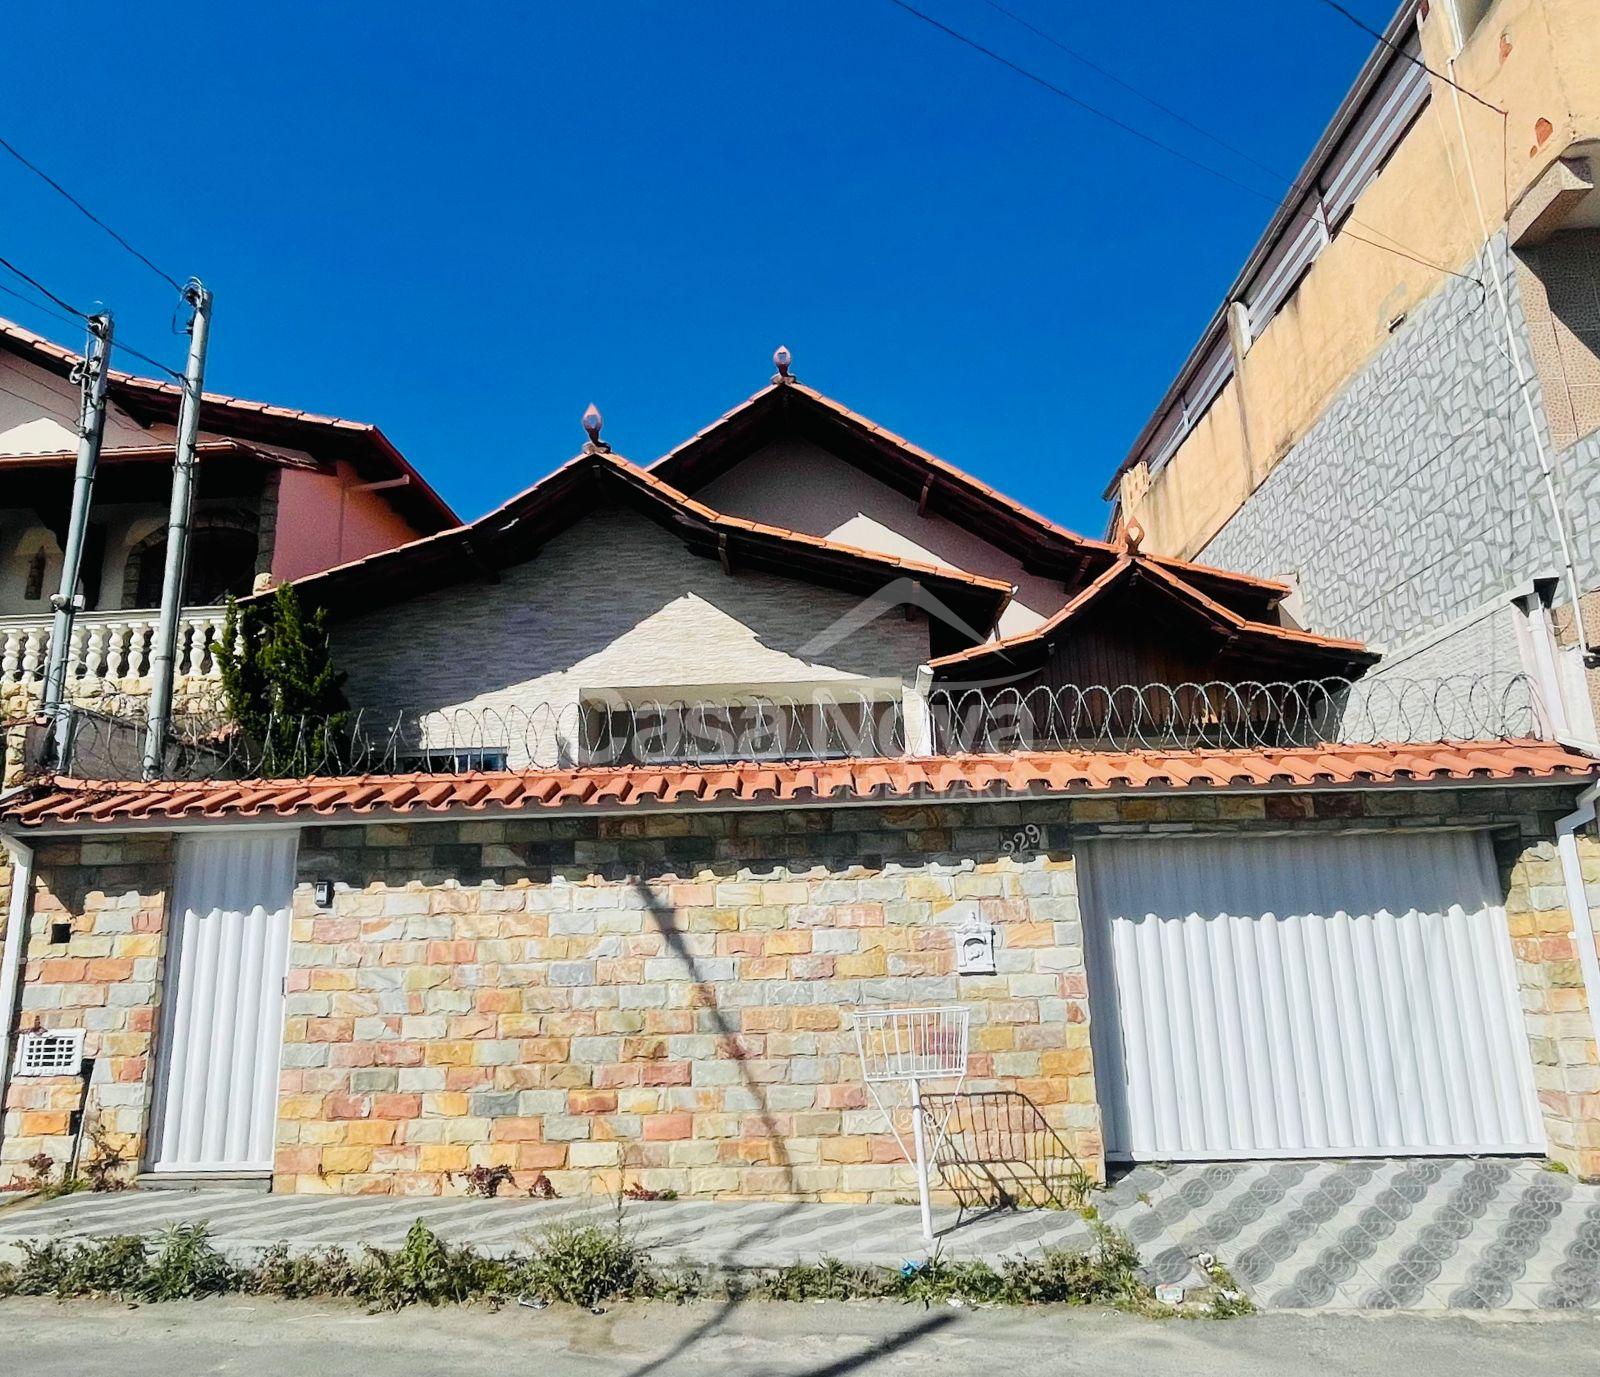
(1416,499)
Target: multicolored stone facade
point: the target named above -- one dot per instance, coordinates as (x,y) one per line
(666,997)
(1555,1004)
(93,960)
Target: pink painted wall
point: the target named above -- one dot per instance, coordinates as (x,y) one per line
(312,535)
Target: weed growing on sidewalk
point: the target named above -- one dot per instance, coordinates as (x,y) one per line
(576,1264)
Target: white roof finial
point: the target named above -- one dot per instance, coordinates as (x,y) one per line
(592,421)
(782,358)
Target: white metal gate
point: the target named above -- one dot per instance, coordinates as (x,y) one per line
(1305,996)
(222,1023)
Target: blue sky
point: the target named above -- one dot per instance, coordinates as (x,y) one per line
(465,222)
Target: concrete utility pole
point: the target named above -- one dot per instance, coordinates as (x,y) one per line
(91,375)
(164,655)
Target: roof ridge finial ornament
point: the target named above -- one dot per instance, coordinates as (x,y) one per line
(1133,536)
(782,358)
(592,421)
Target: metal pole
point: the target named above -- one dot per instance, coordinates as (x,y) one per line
(92,375)
(920,1138)
(164,653)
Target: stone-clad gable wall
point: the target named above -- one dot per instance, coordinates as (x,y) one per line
(673,990)
(614,602)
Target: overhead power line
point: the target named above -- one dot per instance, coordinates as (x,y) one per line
(76,318)
(51,182)
(1295,184)
(1367,28)
(1128,86)
(1062,93)
(44,291)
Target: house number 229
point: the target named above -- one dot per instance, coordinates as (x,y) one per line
(1023,839)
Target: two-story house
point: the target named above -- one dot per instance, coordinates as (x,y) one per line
(655,778)
(281,493)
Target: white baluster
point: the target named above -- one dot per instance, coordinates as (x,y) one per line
(75,644)
(139,649)
(11,655)
(213,634)
(33,653)
(94,654)
(116,648)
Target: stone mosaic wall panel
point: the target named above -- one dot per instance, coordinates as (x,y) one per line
(663,995)
(107,899)
(1416,498)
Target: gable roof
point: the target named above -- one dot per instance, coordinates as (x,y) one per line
(149,401)
(514,531)
(76,804)
(1315,655)
(1042,546)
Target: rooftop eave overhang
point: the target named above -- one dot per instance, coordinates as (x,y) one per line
(885,799)
(45,809)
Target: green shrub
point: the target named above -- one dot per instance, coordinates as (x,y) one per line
(829,1279)
(583,1265)
(186,1267)
(103,1267)
(428,1271)
(580,1265)
(326,1272)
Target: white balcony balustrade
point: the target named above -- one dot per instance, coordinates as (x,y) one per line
(107,648)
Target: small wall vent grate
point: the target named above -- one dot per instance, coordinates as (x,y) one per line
(58,1052)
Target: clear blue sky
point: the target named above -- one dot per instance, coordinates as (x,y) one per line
(465,222)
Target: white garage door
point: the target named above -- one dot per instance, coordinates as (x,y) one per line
(1305,996)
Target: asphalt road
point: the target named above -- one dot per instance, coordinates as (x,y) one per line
(266,1339)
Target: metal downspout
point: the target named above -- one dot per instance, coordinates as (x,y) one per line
(11,954)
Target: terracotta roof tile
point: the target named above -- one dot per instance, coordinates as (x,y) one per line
(284,422)
(1130,564)
(77,803)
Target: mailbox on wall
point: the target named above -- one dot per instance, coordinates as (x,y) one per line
(975,947)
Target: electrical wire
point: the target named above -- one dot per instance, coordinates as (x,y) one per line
(39,287)
(1128,86)
(51,182)
(118,344)
(1367,28)
(1295,184)
(1046,84)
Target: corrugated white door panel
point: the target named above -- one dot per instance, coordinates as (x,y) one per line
(223,1026)
(1305,996)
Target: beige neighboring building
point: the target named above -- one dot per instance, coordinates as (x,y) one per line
(1396,408)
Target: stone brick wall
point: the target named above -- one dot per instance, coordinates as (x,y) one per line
(105,977)
(666,995)
(669,994)
(1566,1061)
